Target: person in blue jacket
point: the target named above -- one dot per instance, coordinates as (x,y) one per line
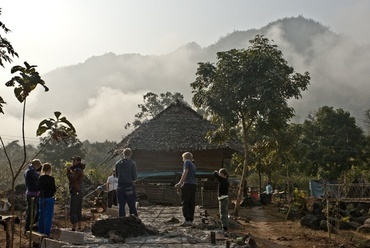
(32,194)
(127,174)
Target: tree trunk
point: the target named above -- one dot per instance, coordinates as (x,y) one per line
(241,186)
(11,228)
(259,176)
(244,173)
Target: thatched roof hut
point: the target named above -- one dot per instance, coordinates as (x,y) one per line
(157,147)
(158,144)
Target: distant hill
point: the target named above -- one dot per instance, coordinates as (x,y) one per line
(337,65)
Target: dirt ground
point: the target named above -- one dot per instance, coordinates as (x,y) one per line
(266,225)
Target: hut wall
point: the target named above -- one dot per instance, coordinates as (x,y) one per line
(167,195)
(161,191)
(208,161)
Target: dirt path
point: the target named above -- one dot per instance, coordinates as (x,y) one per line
(260,227)
(269,229)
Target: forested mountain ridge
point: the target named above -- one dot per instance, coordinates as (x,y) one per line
(337,65)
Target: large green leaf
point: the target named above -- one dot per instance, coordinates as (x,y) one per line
(59,128)
(27,81)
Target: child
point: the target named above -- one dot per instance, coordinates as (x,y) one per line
(101,198)
(223,197)
(47,189)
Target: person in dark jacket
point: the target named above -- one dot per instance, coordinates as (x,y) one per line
(47,189)
(127,174)
(75,176)
(32,194)
(223,196)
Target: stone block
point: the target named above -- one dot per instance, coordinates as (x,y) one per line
(72,237)
(76,246)
(112,211)
(52,243)
(36,236)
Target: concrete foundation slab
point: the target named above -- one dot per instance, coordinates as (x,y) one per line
(72,237)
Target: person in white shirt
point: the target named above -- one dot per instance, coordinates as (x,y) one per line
(111,185)
(269,191)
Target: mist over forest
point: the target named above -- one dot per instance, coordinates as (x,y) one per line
(103,92)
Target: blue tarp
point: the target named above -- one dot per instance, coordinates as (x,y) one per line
(149,174)
(317,188)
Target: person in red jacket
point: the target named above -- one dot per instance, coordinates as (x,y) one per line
(75,176)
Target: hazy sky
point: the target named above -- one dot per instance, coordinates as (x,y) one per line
(57,33)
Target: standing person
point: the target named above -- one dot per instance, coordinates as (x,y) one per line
(223,196)
(127,174)
(75,176)
(269,192)
(47,188)
(32,194)
(188,185)
(111,186)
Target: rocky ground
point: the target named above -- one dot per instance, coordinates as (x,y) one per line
(268,227)
(265,224)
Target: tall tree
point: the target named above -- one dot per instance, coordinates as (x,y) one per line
(333,143)
(7,52)
(24,83)
(99,153)
(153,105)
(249,88)
(367,121)
(15,152)
(57,153)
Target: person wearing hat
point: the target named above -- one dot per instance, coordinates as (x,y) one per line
(111,186)
(101,198)
(32,193)
(75,177)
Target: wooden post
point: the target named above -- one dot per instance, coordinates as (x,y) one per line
(8,222)
(32,212)
(327,210)
(213,237)
(8,233)
(228,243)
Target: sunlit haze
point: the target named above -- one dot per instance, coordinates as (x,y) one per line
(61,33)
